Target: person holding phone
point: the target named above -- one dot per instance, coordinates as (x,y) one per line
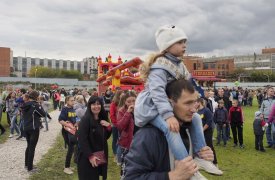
(126,125)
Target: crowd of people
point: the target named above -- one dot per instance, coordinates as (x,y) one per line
(164,132)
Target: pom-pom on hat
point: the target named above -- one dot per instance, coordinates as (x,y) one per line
(168,35)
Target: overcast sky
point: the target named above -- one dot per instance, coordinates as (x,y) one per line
(76,29)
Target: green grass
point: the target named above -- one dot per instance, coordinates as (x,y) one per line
(4,123)
(52,164)
(245,163)
(236,163)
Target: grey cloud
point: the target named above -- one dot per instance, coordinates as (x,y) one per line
(77,29)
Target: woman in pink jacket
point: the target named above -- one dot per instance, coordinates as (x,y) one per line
(126,125)
(113,117)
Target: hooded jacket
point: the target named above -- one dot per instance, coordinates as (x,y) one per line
(32,112)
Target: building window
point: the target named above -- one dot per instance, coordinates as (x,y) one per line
(24,65)
(64,64)
(85,68)
(41,62)
(219,66)
(50,63)
(213,66)
(194,66)
(57,64)
(198,65)
(227,67)
(205,65)
(78,66)
(223,66)
(15,64)
(72,65)
(32,62)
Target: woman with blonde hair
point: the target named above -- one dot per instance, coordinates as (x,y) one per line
(80,106)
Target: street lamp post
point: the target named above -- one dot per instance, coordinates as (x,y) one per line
(267,77)
(35,78)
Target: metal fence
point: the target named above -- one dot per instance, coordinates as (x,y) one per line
(60,82)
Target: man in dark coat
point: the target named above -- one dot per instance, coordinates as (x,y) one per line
(149,157)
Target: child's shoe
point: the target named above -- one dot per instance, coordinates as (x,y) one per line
(68,171)
(235,145)
(208,166)
(242,146)
(198,176)
(262,150)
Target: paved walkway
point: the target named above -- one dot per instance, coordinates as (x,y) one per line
(12,152)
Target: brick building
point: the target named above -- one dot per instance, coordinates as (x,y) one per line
(5,60)
(221,67)
(209,70)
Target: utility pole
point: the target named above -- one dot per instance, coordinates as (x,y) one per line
(35,78)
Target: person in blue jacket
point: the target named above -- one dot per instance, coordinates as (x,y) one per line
(68,116)
(207,120)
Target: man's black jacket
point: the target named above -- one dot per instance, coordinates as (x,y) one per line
(32,112)
(148,157)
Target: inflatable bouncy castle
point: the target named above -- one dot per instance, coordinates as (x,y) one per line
(117,74)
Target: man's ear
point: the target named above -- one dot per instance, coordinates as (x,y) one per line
(172,102)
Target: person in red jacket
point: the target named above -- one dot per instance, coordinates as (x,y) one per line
(126,125)
(236,121)
(113,117)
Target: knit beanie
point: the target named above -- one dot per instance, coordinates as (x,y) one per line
(168,35)
(257,114)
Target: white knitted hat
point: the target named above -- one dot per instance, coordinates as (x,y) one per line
(168,35)
(257,114)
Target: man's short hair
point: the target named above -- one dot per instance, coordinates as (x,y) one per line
(175,88)
(34,95)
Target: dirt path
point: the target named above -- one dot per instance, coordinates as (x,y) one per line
(12,152)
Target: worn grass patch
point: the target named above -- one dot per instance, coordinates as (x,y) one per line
(236,163)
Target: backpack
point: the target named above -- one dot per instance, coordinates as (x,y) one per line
(45,96)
